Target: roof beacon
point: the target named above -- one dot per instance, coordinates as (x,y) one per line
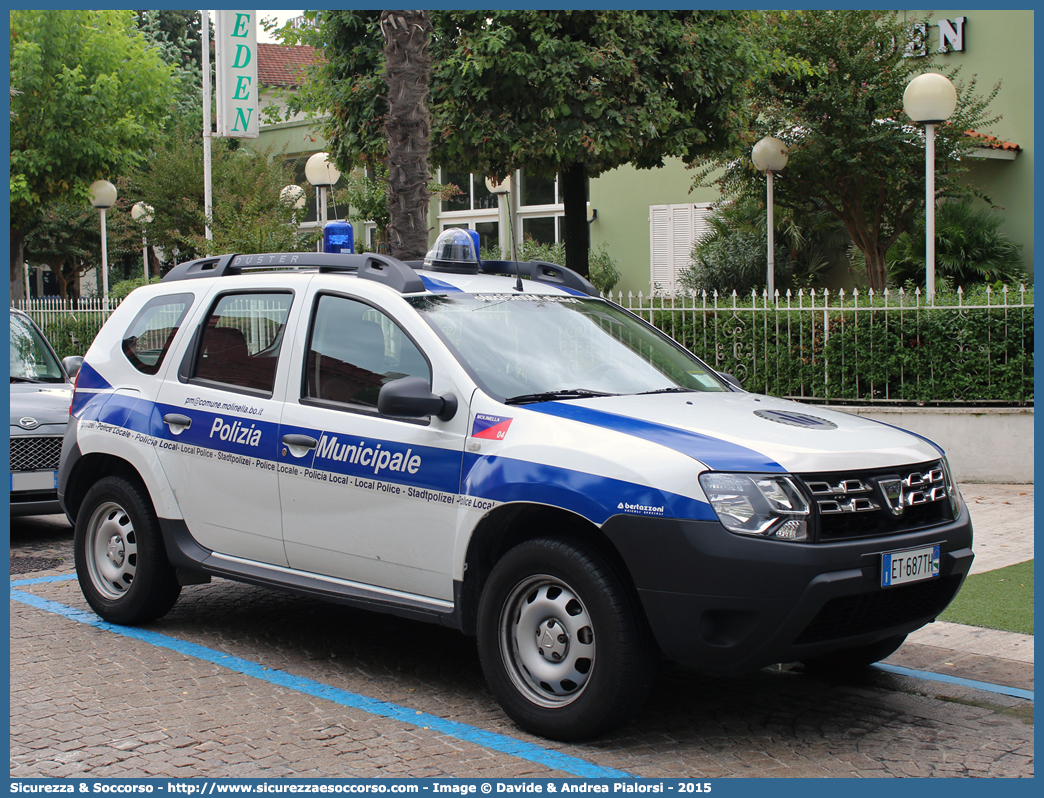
(454,251)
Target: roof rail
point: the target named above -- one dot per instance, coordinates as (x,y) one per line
(389,271)
(368,266)
(540,271)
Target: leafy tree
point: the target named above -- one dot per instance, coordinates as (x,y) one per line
(853,151)
(248,216)
(176,36)
(93,97)
(572,93)
(969,249)
(732,255)
(65,237)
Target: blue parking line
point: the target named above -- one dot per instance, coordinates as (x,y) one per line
(461,731)
(942,677)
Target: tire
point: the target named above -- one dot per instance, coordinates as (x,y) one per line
(563,642)
(850,659)
(121,563)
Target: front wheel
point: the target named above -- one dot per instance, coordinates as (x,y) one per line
(562,640)
(121,563)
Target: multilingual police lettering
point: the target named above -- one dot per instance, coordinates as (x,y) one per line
(236,432)
(366,455)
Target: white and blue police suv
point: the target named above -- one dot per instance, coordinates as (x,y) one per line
(505,454)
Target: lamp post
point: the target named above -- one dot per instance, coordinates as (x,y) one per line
(770,156)
(103,197)
(929,99)
(322,174)
(142,212)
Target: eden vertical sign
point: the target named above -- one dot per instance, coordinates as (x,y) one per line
(235,34)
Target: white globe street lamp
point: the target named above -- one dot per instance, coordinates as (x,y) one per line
(294,197)
(770,156)
(322,174)
(929,99)
(142,212)
(103,197)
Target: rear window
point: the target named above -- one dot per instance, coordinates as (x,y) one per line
(150,335)
(241,340)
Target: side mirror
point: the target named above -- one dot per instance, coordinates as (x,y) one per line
(730,380)
(72,365)
(410,397)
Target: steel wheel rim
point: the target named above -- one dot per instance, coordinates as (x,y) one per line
(112,550)
(547,641)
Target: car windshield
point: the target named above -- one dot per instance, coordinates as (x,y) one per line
(31,358)
(530,348)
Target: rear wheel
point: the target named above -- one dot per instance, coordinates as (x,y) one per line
(848,659)
(121,563)
(563,643)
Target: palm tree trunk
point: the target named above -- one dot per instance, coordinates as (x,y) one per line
(407,73)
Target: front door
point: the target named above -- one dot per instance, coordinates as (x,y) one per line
(366,498)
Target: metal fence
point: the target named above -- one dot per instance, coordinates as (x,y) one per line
(860,347)
(69,324)
(894,347)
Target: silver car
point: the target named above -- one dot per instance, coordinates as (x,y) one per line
(41,391)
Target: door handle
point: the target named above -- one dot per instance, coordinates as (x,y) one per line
(177,422)
(299,445)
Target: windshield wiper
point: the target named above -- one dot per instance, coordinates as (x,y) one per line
(551,396)
(23,379)
(675,389)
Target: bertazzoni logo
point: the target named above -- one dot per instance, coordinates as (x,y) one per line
(640,509)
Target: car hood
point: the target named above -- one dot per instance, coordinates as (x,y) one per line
(749,432)
(48,403)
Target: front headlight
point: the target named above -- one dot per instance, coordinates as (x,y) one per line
(954,491)
(762,505)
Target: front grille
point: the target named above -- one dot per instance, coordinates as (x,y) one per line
(876,502)
(37,453)
(869,612)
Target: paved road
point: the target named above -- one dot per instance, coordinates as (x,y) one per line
(240,682)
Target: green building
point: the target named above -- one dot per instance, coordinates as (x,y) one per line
(648,219)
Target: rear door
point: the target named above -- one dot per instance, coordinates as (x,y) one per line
(220,413)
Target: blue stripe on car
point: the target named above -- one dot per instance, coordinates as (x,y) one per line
(717,454)
(597,498)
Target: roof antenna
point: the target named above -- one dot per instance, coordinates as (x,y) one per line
(514,257)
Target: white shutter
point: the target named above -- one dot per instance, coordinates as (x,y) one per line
(672,231)
(661,275)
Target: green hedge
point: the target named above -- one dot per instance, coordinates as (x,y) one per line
(920,355)
(70,334)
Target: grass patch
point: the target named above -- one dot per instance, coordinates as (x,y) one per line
(1001,599)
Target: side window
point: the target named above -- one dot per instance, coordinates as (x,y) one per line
(150,335)
(241,340)
(354,349)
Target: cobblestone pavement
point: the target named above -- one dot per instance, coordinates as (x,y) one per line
(91,702)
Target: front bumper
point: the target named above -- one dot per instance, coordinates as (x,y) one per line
(724,602)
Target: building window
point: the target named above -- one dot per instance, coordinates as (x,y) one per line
(534,190)
(474,195)
(672,231)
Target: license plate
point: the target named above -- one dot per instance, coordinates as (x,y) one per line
(34,480)
(910,565)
